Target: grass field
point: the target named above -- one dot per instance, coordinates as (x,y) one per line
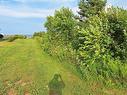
(26,70)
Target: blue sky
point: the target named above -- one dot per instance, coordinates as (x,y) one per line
(28,16)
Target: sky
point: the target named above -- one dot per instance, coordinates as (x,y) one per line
(28,16)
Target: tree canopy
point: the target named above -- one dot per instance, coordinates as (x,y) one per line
(96,42)
(89,8)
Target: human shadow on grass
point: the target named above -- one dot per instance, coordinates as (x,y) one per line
(56,85)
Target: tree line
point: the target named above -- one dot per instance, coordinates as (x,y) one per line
(95,40)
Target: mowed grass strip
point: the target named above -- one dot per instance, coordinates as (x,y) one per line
(26,70)
(5,43)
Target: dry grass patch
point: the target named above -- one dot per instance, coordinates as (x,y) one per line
(3,43)
(12,92)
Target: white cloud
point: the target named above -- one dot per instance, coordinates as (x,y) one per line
(59,1)
(108,6)
(28,12)
(25,13)
(75,10)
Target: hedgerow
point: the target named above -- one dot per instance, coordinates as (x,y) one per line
(96,41)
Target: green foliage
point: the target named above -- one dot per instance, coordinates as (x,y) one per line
(90,8)
(95,40)
(118,32)
(98,45)
(61,31)
(103,45)
(14,37)
(61,25)
(39,34)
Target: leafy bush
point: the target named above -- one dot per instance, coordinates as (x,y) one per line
(97,45)
(61,26)
(118,32)
(14,37)
(60,34)
(39,34)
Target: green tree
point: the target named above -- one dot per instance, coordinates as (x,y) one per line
(118,32)
(61,31)
(90,8)
(95,40)
(61,26)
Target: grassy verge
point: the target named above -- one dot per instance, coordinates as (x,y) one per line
(26,70)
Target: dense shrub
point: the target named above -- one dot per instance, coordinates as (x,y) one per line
(118,32)
(61,26)
(14,37)
(61,31)
(39,34)
(96,42)
(95,53)
(102,43)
